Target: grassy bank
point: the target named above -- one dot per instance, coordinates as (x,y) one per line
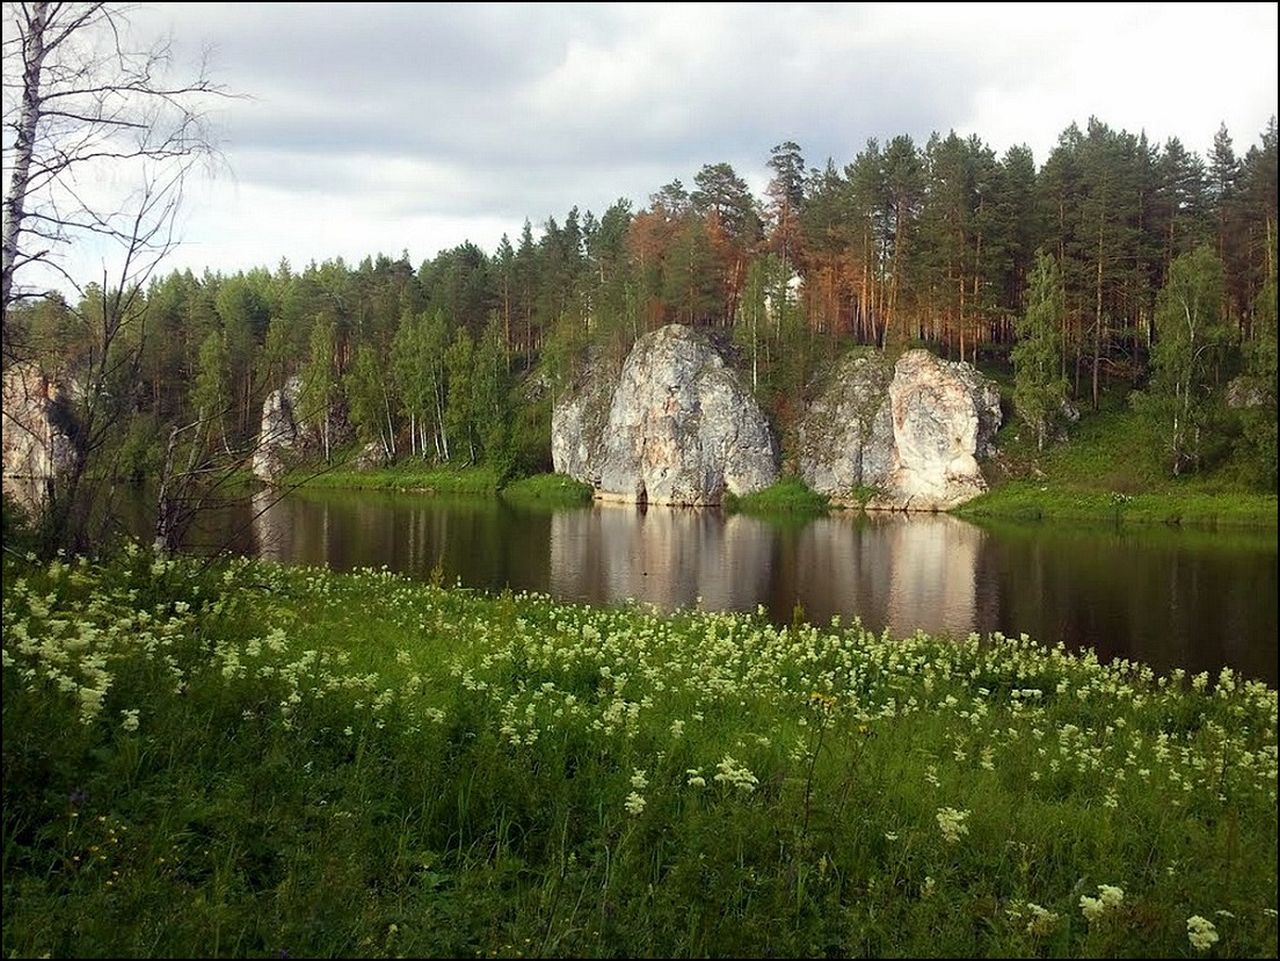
(788,496)
(1106,471)
(1028,500)
(557,490)
(479,481)
(406,476)
(252,760)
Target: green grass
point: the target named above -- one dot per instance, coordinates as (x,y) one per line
(251,759)
(788,496)
(408,475)
(1106,470)
(1028,500)
(552,489)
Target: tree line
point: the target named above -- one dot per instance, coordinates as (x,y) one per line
(1065,269)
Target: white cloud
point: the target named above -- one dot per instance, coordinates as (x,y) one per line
(380,127)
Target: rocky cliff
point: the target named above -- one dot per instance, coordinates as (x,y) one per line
(279,437)
(913,432)
(39,432)
(679,427)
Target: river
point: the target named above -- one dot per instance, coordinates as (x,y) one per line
(1192,598)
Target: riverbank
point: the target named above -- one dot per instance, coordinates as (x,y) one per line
(477,481)
(1030,501)
(254,759)
(408,475)
(1105,471)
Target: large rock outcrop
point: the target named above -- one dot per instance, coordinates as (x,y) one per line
(39,435)
(912,434)
(279,438)
(681,427)
(845,439)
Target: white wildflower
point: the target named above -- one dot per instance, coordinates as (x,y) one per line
(1201,933)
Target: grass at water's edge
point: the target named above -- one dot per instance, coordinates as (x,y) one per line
(1027,500)
(788,496)
(260,760)
(407,476)
(551,489)
(1106,469)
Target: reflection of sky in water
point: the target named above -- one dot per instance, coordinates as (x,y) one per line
(1197,599)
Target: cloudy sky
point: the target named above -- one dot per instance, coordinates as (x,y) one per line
(381,128)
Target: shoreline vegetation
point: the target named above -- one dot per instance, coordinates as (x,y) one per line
(1097,474)
(255,759)
(1017,500)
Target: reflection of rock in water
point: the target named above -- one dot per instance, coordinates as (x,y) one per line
(907,573)
(272,526)
(668,557)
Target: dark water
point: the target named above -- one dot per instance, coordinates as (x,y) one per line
(1196,599)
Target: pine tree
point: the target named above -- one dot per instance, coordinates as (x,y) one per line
(211,392)
(320,380)
(1040,390)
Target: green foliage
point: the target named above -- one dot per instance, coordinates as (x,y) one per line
(788,495)
(1040,390)
(459,411)
(211,392)
(491,399)
(1258,450)
(259,760)
(1191,344)
(408,475)
(1109,470)
(367,401)
(141,453)
(320,381)
(552,489)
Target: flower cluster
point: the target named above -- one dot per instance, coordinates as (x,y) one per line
(1201,933)
(953,824)
(731,772)
(1108,899)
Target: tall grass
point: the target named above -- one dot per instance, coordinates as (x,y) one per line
(253,759)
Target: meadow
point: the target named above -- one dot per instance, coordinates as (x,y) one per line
(238,758)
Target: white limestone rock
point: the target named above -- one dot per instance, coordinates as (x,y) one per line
(682,428)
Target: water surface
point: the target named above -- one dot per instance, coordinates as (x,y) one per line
(1192,598)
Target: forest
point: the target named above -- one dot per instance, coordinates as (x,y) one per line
(1075,274)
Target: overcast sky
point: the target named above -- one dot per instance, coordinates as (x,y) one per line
(380,128)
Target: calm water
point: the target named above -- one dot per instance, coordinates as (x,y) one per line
(1197,599)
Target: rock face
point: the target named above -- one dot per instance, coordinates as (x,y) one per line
(846,436)
(680,427)
(1244,392)
(915,435)
(371,456)
(39,443)
(578,425)
(279,437)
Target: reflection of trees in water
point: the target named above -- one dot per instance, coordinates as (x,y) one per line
(664,556)
(1166,598)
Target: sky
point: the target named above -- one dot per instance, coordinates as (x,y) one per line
(372,128)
